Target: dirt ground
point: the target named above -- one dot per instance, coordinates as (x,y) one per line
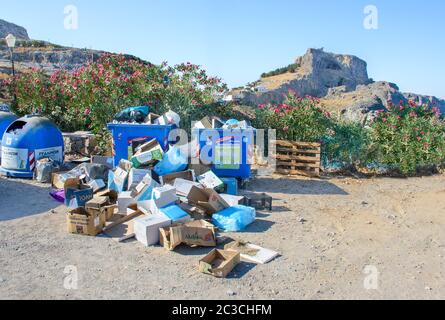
(327,231)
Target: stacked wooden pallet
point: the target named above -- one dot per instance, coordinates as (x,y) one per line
(298,158)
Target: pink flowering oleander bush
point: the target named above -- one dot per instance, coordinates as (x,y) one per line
(88,98)
(404,138)
(407,137)
(297,119)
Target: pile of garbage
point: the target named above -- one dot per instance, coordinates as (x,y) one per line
(142,115)
(159,198)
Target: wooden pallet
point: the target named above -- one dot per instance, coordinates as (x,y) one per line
(298,158)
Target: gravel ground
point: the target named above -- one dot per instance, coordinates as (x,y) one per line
(327,231)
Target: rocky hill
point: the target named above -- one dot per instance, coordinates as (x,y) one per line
(10,28)
(45,56)
(42,55)
(341,81)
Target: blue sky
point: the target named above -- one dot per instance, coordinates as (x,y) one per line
(239,39)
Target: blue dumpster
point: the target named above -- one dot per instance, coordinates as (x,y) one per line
(6,118)
(229,150)
(126,137)
(27,140)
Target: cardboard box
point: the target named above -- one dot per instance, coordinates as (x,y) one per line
(147,228)
(98,202)
(195,212)
(117,180)
(205,123)
(211,181)
(103,204)
(200,168)
(151,118)
(136,176)
(175,214)
(147,154)
(105,161)
(111,194)
(97,185)
(80,221)
(164,196)
(171,178)
(219,263)
(160,198)
(124,201)
(197,233)
(251,252)
(62,180)
(233,200)
(144,190)
(183,187)
(121,228)
(207,199)
(78,196)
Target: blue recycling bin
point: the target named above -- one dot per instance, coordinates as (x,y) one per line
(229,150)
(27,140)
(126,136)
(6,118)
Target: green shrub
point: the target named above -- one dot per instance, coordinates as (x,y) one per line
(407,137)
(290,68)
(347,146)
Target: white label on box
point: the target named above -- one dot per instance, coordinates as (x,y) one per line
(15,159)
(97,222)
(52,153)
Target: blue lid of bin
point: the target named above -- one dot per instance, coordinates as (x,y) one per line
(27,140)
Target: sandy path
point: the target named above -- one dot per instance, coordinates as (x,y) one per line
(395,225)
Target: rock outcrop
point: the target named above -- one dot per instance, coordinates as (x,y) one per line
(11,28)
(341,81)
(49,58)
(318,72)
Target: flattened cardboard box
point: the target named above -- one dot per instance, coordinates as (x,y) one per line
(219,263)
(170,178)
(147,154)
(211,181)
(78,196)
(80,221)
(208,199)
(197,233)
(111,194)
(62,181)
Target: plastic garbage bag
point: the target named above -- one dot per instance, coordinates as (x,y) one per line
(58,195)
(174,161)
(90,171)
(173,118)
(232,123)
(235,218)
(133,114)
(44,170)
